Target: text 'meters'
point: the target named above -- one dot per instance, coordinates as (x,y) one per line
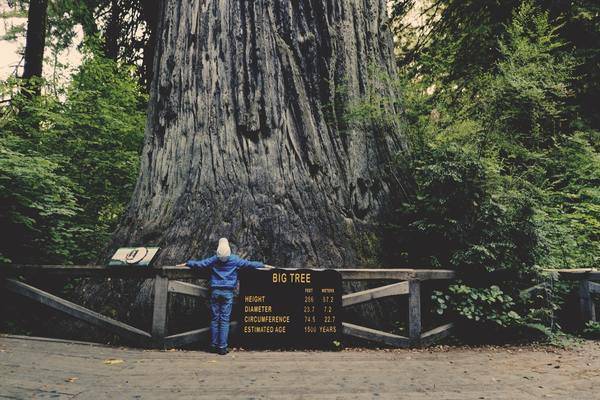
(290,308)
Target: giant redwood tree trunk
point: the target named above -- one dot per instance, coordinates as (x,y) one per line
(246,136)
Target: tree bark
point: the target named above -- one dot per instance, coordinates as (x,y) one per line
(35,43)
(246,135)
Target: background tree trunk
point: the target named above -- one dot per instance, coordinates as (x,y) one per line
(245,135)
(150,13)
(35,42)
(113,31)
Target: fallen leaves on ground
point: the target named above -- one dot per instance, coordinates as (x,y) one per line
(111,361)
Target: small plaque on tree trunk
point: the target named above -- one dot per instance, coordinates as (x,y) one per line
(290,308)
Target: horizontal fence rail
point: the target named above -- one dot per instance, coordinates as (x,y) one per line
(170,272)
(587,287)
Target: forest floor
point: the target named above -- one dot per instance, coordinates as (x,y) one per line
(40,368)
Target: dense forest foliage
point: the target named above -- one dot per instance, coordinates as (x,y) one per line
(500,102)
(70,142)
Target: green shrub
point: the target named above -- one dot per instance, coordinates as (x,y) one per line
(37,207)
(69,162)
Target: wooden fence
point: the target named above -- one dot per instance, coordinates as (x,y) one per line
(587,287)
(167,280)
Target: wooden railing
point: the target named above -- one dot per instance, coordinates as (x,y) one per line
(587,286)
(166,280)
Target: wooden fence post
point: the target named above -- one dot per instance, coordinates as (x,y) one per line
(159,314)
(588,311)
(414,312)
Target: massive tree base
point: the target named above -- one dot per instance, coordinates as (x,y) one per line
(247,136)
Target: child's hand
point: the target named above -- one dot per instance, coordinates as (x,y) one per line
(181,265)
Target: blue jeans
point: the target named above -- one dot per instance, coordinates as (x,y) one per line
(221,301)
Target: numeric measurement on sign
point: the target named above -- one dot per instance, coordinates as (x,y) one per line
(309,317)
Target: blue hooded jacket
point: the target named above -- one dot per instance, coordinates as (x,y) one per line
(224,275)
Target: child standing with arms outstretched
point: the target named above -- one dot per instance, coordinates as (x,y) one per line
(223,281)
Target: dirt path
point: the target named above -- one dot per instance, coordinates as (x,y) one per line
(31,368)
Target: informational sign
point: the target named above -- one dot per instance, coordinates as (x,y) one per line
(290,308)
(141,256)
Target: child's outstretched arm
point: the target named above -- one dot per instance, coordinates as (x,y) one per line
(207,262)
(242,263)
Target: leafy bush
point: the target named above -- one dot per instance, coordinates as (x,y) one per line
(69,162)
(479,304)
(463,215)
(468,211)
(37,207)
(592,329)
(98,132)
